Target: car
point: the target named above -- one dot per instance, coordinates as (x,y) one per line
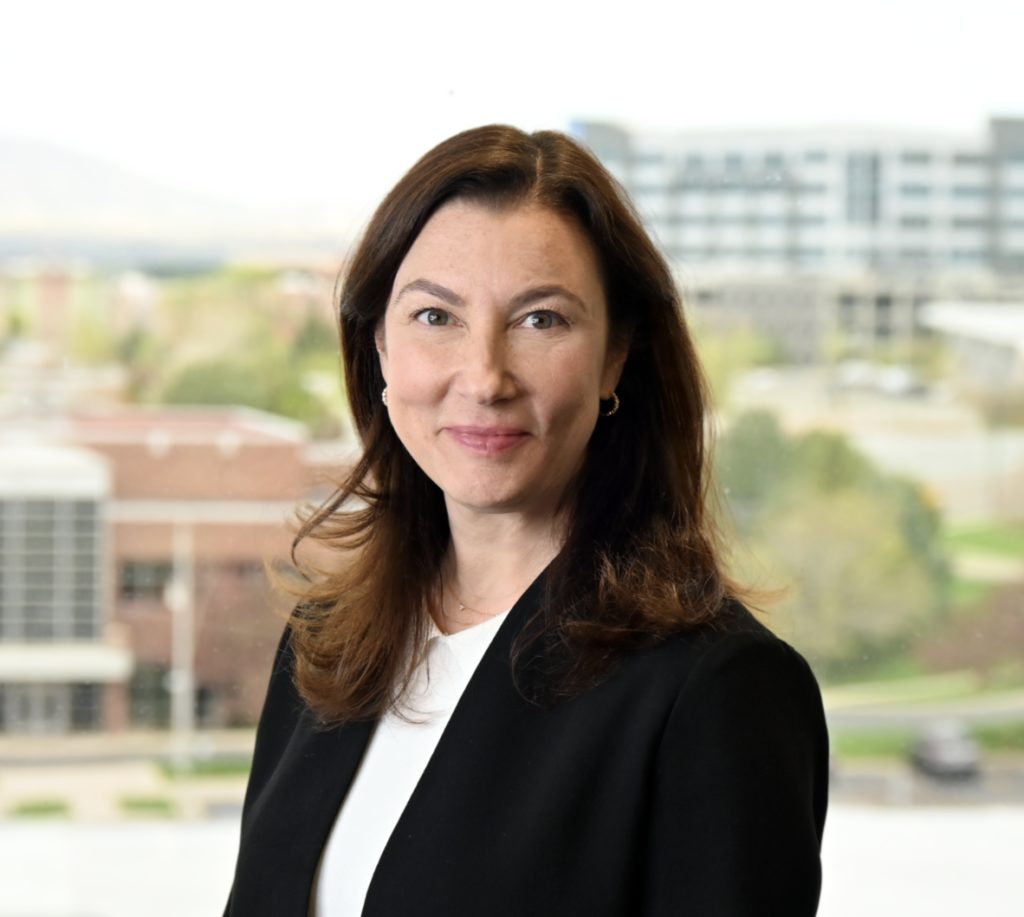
(946,751)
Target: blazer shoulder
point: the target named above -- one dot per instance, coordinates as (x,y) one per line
(734,631)
(283,711)
(743,753)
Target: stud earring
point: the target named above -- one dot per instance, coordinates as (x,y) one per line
(384,396)
(615,405)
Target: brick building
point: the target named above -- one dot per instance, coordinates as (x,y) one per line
(107,521)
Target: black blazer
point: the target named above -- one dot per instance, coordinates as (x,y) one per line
(693,781)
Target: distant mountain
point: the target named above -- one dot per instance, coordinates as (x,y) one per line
(56,202)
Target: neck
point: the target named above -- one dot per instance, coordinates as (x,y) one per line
(491,561)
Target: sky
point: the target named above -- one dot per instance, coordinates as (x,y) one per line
(309,101)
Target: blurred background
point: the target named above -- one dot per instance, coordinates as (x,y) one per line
(840,190)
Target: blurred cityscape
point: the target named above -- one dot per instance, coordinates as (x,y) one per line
(170,393)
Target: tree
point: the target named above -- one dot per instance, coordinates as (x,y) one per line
(857,552)
(753,460)
(858,591)
(220,382)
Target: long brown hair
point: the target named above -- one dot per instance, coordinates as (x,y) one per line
(640,559)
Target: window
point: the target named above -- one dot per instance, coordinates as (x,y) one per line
(86,706)
(970,159)
(915,190)
(915,222)
(971,255)
(969,191)
(916,157)
(35,708)
(863,175)
(243,569)
(142,579)
(50,556)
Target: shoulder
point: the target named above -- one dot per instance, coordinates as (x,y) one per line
(734,645)
(737,642)
(749,704)
(734,683)
(742,752)
(731,673)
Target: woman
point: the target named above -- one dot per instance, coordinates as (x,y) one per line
(528,688)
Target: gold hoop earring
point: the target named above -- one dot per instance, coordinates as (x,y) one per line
(615,406)
(384,396)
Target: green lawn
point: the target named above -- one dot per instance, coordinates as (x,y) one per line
(966,593)
(895,743)
(216,767)
(908,689)
(149,806)
(998,539)
(41,808)
(872,744)
(1001,737)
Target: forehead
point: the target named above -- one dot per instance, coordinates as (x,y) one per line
(522,243)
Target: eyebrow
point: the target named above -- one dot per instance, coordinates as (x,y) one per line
(535,294)
(527,297)
(434,289)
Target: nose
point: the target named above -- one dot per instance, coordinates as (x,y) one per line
(484,373)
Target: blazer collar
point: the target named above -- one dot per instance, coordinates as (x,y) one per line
(319,765)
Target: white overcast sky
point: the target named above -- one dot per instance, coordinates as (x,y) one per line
(306,101)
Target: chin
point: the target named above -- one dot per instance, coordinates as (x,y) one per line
(487,503)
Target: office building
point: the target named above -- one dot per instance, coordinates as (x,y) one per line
(828,242)
(827,200)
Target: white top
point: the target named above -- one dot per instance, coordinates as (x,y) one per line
(392,766)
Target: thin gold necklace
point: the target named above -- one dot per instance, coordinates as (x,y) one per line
(464,607)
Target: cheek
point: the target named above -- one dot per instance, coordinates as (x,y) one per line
(570,390)
(414,378)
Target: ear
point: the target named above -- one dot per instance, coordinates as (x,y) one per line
(382,350)
(614,363)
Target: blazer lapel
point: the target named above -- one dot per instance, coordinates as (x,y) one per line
(491,686)
(292,810)
(289,820)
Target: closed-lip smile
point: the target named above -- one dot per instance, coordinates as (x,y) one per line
(487,440)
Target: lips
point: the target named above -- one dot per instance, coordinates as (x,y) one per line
(487,440)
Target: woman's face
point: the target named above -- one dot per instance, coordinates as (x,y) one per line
(495,350)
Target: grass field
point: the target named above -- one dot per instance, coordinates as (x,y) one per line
(149,806)
(999,540)
(41,808)
(217,767)
(896,743)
